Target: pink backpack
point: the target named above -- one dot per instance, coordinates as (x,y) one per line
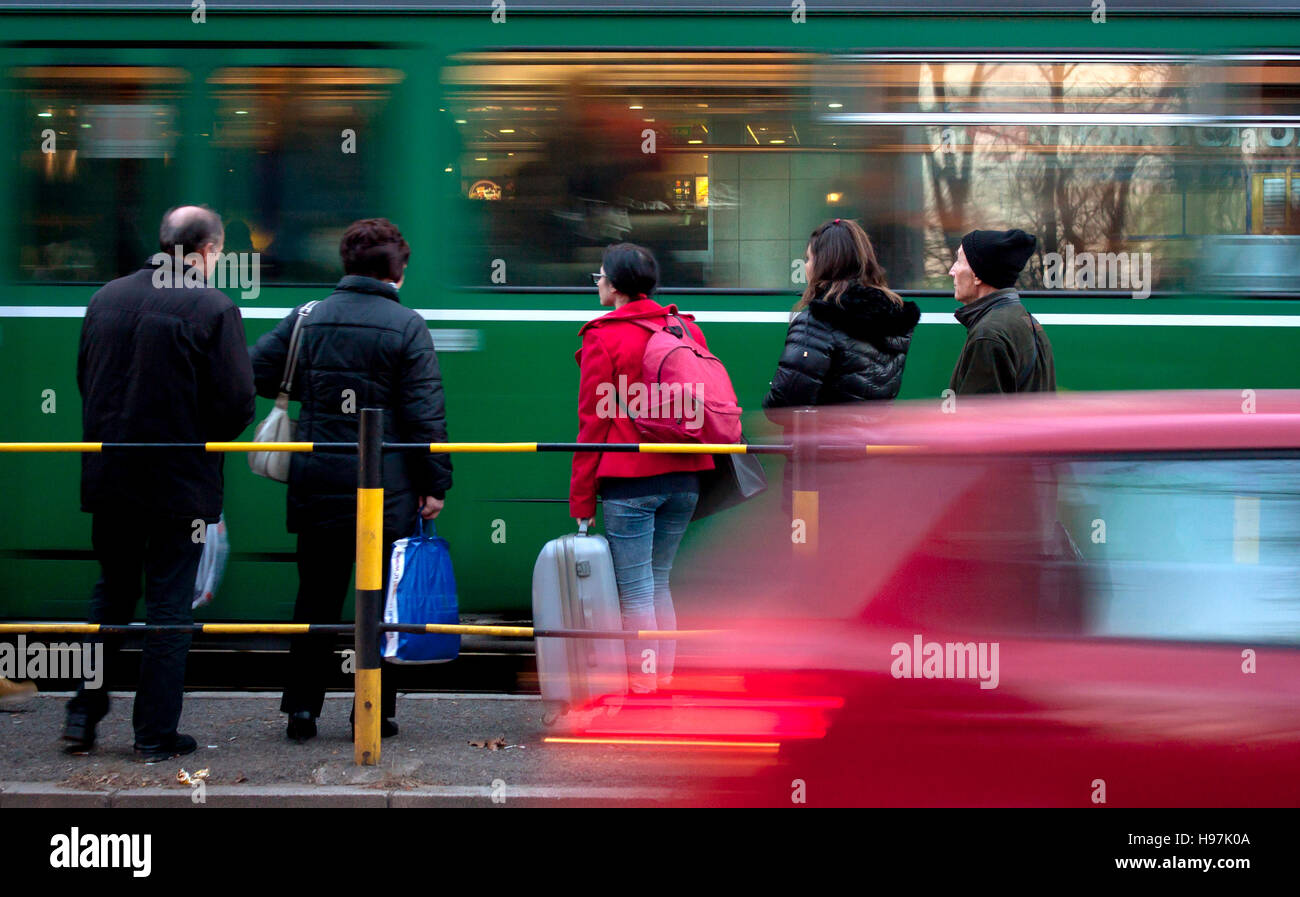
(688,396)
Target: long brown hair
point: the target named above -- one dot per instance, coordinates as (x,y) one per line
(842,256)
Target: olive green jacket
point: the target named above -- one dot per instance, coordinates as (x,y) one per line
(1006,349)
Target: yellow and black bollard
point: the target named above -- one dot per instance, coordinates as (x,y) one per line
(804,493)
(370,585)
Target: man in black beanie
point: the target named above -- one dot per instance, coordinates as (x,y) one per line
(1006,350)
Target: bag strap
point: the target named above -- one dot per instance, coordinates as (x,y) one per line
(420,523)
(655,328)
(291,358)
(1023,380)
(641,322)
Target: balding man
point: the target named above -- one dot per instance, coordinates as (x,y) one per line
(163,358)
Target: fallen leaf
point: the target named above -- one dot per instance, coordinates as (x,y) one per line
(186,779)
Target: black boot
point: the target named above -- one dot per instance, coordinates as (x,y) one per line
(166,749)
(302,726)
(79,729)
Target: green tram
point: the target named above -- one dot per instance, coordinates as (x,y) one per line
(1156,154)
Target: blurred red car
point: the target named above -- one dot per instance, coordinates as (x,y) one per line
(1063,600)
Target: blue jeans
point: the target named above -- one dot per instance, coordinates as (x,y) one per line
(643,537)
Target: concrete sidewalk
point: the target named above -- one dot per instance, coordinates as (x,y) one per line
(431,762)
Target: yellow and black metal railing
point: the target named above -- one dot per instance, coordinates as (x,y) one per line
(494,630)
(648,448)
(369,553)
(369,573)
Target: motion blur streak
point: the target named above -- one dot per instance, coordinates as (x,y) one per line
(671,742)
(1145,658)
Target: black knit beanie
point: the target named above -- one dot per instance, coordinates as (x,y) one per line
(998,256)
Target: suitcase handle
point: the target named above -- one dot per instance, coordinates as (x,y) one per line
(582,527)
(569,563)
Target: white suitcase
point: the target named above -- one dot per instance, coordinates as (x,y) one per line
(574,588)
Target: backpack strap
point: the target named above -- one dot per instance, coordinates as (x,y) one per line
(1023,380)
(655,328)
(646,325)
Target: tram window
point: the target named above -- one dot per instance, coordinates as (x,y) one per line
(1084,153)
(1118,164)
(694,154)
(1276,203)
(1200,550)
(96,168)
(288,182)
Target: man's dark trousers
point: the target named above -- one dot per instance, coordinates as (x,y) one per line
(132,546)
(325,561)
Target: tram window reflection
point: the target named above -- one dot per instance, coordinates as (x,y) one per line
(725,162)
(96,167)
(563,153)
(289,182)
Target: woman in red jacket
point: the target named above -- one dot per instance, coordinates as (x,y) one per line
(649,499)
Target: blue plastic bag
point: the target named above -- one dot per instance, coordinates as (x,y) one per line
(421,589)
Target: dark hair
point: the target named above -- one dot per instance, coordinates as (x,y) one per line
(193,227)
(374,247)
(842,255)
(631,269)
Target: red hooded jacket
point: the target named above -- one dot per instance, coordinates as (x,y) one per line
(612,346)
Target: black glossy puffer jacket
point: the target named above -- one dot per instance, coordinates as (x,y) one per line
(850,351)
(361,348)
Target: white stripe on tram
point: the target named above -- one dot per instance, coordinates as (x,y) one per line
(581,315)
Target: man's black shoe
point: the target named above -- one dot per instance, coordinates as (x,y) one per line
(302,726)
(176,746)
(79,730)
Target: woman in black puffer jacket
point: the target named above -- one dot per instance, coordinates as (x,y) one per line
(360,348)
(849,334)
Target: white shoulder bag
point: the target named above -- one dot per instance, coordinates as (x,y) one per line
(277,427)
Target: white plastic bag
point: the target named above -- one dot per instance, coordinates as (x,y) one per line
(216,547)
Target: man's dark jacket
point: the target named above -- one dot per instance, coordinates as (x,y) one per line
(847,351)
(1006,349)
(160,365)
(363,340)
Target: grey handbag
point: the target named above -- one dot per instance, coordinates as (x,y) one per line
(277,427)
(733,480)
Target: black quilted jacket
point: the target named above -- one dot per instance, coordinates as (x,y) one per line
(361,348)
(851,351)
(160,365)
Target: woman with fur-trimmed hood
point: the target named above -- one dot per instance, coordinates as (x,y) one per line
(849,335)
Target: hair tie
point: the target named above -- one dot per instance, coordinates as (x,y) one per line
(642,296)
(837,221)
